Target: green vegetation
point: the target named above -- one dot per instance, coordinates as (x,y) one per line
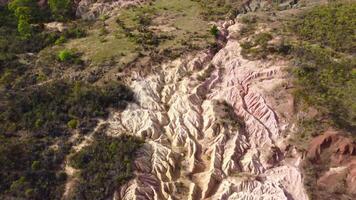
(218,10)
(49,108)
(230,118)
(65,56)
(257,48)
(104,165)
(26,12)
(24,28)
(159,30)
(73,123)
(214,31)
(325,75)
(331,25)
(327,81)
(29,168)
(249,22)
(60,9)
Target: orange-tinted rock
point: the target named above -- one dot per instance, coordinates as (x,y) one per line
(338,152)
(343,149)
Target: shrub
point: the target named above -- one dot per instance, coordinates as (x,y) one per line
(62,39)
(36,165)
(28,168)
(258,47)
(248,19)
(262,39)
(214,31)
(73,124)
(24,8)
(75,33)
(325,78)
(65,56)
(24,28)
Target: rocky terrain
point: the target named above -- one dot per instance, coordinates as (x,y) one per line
(217,122)
(211,129)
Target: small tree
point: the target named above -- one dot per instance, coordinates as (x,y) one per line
(36,165)
(24,10)
(24,28)
(214,31)
(65,56)
(73,124)
(60,9)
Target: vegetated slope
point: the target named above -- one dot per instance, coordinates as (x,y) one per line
(211,101)
(325,80)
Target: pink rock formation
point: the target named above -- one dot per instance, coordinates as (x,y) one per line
(193,149)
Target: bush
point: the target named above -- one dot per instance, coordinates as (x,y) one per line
(214,31)
(36,165)
(104,165)
(24,28)
(73,124)
(326,78)
(75,33)
(65,56)
(262,39)
(62,39)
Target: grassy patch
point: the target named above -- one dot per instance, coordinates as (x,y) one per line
(163,28)
(104,165)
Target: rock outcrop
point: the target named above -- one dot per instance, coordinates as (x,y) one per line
(92,9)
(337,154)
(210,130)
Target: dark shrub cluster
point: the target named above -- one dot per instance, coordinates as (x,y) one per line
(331,25)
(325,74)
(328,82)
(50,107)
(104,165)
(30,169)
